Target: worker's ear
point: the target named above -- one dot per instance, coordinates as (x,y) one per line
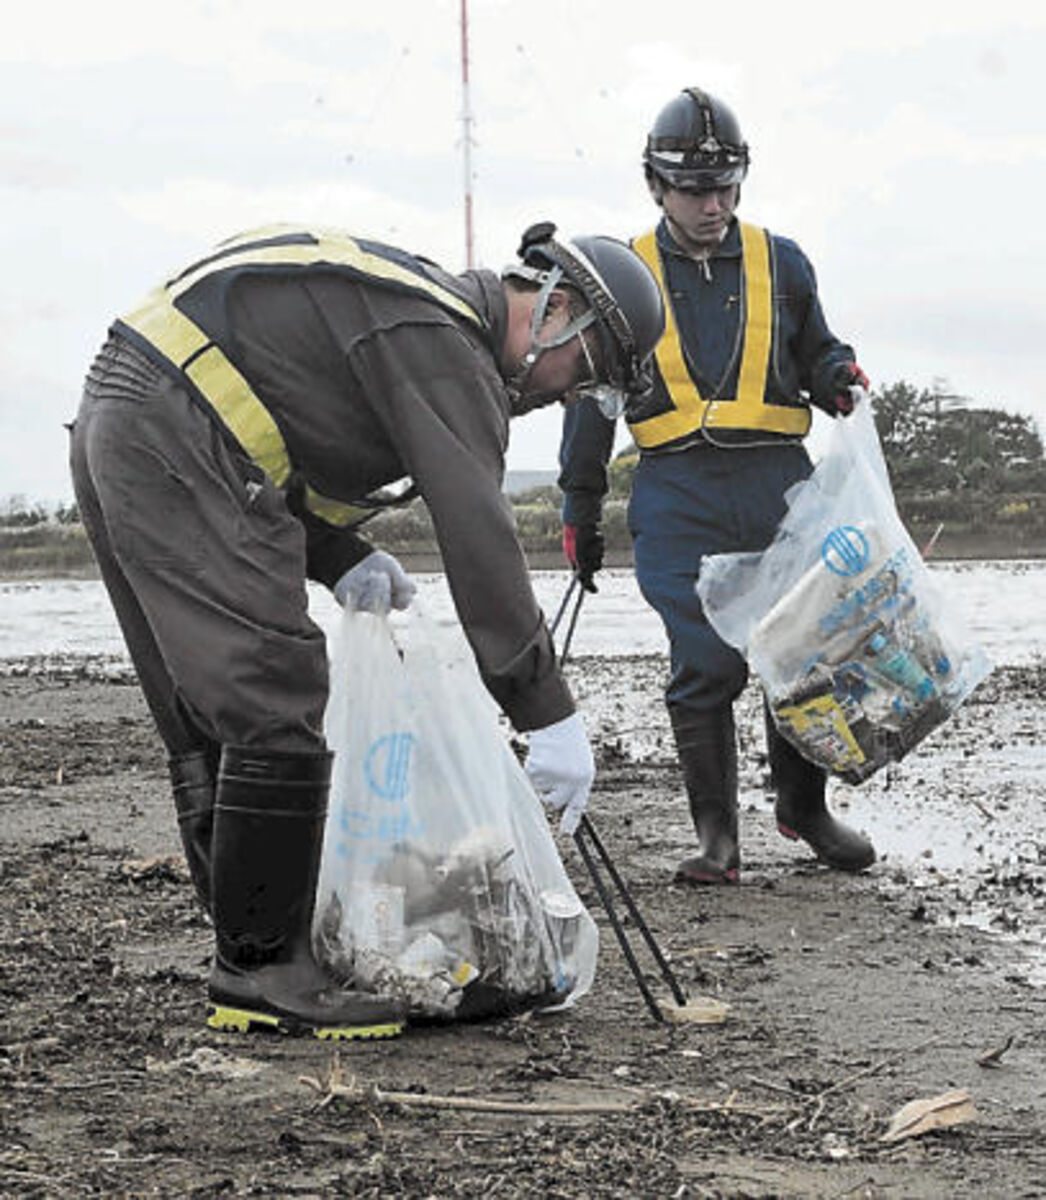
(557,308)
(656,186)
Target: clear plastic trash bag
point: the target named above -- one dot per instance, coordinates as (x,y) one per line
(858,652)
(441,883)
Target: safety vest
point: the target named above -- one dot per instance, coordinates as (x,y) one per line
(749,409)
(189,352)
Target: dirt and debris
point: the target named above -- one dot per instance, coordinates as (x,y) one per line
(849,997)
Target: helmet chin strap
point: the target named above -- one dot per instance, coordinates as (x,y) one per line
(515,384)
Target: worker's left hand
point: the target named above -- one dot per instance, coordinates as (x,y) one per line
(375,584)
(561,768)
(847,377)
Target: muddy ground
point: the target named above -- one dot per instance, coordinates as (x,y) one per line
(848,997)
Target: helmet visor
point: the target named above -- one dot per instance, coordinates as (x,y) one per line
(690,176)
(697,164)
(610,398)
(611,401)
(684,180)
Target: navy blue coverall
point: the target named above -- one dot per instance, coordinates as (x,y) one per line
(718,489)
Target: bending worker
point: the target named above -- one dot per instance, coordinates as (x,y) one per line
(746,351)
(233,431)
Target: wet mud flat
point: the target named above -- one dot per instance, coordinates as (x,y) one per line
(848,996)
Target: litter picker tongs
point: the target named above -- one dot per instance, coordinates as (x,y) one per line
(591,847)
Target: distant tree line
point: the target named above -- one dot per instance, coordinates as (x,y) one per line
(936,442)
(977,471)
(971,468)
(16,512)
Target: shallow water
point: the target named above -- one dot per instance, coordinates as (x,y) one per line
(1000,603)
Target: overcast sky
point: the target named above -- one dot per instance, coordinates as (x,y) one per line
(902,144)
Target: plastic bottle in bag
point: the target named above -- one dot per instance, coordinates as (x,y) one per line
(893,661)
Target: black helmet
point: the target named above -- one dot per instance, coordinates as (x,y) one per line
(696,144)
(624,298)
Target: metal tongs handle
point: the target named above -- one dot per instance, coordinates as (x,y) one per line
(588,840)
(575,583)
(587,834)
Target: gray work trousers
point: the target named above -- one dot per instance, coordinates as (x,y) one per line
(203,562)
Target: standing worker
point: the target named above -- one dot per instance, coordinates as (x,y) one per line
(233,431)
(746,351)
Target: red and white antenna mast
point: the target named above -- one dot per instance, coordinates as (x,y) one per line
(466,140)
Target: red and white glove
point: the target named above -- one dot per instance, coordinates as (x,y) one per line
(583,546)
(848,377)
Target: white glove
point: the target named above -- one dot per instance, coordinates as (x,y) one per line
(561,768)
(375,584)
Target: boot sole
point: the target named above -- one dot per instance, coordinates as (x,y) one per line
(708,876)
(243,1020)
(727,879)
(850,866)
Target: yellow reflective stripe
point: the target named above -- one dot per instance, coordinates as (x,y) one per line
(230,395)
(247,419)
(749,409)
(338,250)
(183,343)
(688,403)
(335,512)
(191,351)
(175,336)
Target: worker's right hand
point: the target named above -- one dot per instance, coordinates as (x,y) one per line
(583,546)
(848,382)
(561,768)
(375,584)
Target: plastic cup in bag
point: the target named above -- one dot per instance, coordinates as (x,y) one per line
(563,915)
(376,914)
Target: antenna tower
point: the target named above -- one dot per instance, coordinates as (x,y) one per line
(466,139)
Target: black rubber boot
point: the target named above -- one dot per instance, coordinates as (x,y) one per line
(268,837)
(707,747)
(192,781)
(801,811)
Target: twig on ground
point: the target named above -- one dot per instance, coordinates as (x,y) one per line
(816,1100)
(23,1175)
(331,1089)
(113,1081)
(816,1115)
(993,1058)
(983,809)
(850,1080)
(868,1182)
(777,1087)
(11,1049)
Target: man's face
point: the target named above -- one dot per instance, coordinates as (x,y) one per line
(560,371)
(699,218)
